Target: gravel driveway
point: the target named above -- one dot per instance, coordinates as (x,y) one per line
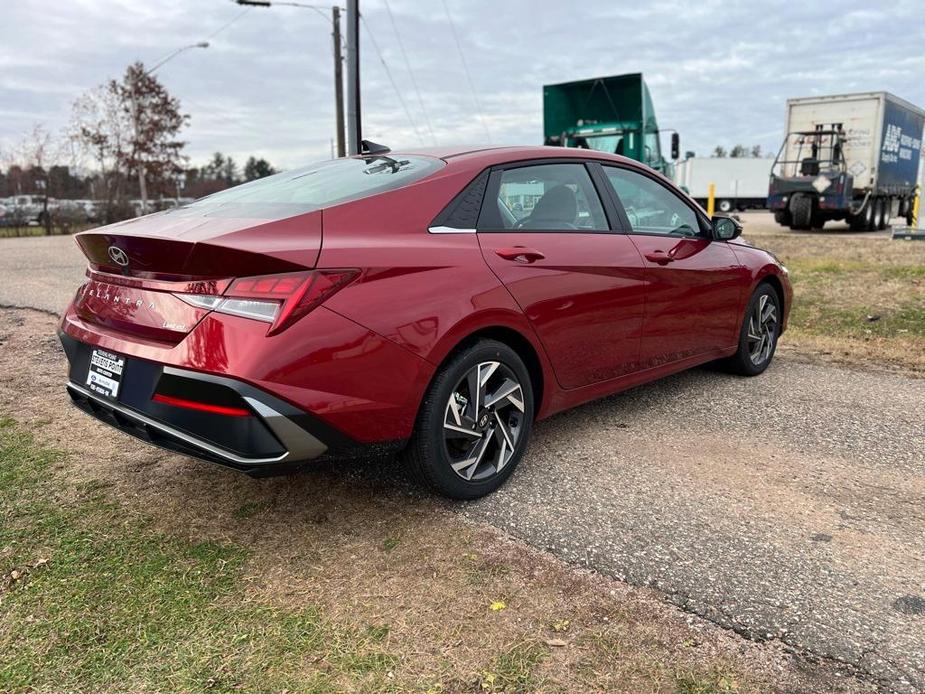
(791,506)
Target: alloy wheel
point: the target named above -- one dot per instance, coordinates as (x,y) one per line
(483,421)
(762,330)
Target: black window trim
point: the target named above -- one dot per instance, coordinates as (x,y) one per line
(494,185)
(705,224)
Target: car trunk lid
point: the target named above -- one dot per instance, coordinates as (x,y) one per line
(137,268)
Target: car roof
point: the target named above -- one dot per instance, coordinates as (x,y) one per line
(480,157)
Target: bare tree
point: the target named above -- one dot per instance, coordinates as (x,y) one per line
(131,127)
(102,129)
(719,151)
(738,151)
(155,149)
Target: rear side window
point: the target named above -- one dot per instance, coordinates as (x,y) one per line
(315,186)
(547,197)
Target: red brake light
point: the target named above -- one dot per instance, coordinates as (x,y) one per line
(297,293)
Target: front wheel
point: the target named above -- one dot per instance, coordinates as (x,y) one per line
(474,422)
(758,334)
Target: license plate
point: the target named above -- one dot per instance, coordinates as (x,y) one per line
(105,373)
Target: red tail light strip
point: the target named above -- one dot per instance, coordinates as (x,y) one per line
(201,406)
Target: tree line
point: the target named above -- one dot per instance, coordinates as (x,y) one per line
(123,143)
(738,151)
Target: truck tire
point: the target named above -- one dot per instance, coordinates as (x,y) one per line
(724,206)
(887,212)
(877,221)
(783,218)
(864,219)
(801,212)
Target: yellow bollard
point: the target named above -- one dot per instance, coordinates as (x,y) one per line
(915,210)
(711,199)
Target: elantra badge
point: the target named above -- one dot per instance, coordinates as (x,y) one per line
(119,257)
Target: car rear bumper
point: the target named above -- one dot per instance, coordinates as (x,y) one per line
(274,437)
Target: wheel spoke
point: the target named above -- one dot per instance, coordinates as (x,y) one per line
(501,430)
(454,410)
(508,390)
(475,391)
(460,430)
(486,370)
(467,467)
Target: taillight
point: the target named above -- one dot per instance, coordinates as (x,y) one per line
(276,299)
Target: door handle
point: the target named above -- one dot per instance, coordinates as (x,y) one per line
(659,257)
(520,254)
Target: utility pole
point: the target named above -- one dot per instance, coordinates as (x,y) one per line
(354,130)
(136,117)
(338,57)
(338,83)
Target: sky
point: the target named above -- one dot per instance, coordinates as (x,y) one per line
(719,72)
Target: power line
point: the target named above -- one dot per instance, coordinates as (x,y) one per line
(388,72)
(414,83)
(228,24)
(462,57)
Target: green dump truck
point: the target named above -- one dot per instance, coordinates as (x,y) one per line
(608,114)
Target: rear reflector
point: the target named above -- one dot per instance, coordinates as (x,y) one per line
(276,299)
(200,406)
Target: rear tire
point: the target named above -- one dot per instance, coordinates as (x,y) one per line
(469,438)
(877,221)
(758,334)
(801,211)
(724,206)
(886,212)
(783,218)
(864,220)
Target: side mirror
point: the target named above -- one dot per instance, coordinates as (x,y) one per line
(675,145)
(725,228)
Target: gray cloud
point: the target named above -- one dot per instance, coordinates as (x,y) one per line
(719,72)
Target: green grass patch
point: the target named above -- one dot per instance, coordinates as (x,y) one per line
(92,598)
(710,683)
(251,509)
(513,670)
(818,317)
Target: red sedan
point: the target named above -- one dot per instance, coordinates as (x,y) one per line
(433,303)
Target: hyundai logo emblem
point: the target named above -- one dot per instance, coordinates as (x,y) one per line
(119,257)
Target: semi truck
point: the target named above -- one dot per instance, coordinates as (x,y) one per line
(609,114)
(740,183)
(847,156)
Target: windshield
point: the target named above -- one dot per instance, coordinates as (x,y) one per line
(315,186)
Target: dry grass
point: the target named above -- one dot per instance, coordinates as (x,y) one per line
(858,299)
(342,579)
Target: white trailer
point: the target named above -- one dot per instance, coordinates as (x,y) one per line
(740,182)
(847,156)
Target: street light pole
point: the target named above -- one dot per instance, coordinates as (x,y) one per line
(136,116)
(338,59)
(338,83)
(354,131)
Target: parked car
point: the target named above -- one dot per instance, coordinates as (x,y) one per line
(394,302)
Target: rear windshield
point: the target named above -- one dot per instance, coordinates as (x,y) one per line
(315,186)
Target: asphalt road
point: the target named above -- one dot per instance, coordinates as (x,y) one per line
(789,506)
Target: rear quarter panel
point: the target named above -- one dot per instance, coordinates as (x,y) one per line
(425,292)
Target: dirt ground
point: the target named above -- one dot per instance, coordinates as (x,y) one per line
(372,550)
